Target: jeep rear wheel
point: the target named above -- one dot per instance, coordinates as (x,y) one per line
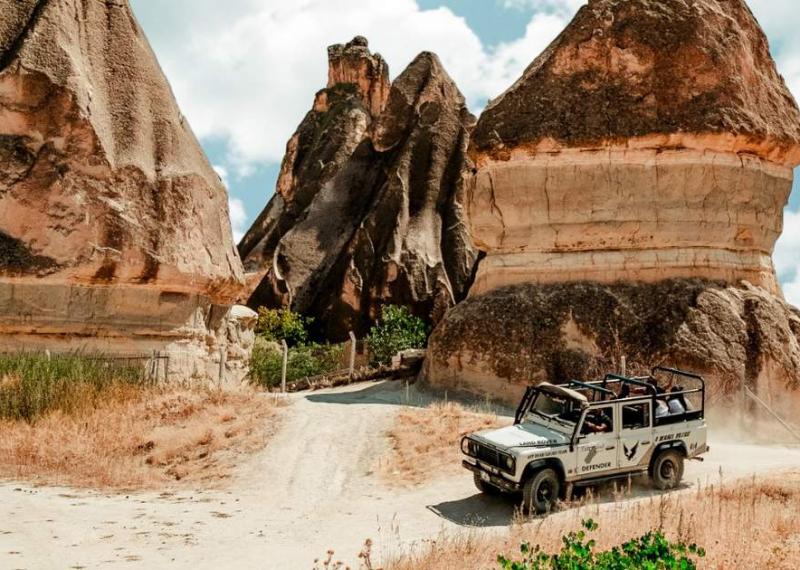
(541,492)
(667,469)
(483,486)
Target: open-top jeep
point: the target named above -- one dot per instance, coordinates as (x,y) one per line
(582,433)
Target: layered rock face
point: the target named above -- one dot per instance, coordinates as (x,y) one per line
(114,229)
(369,203)
(636,173)
(651,140)
(496,344)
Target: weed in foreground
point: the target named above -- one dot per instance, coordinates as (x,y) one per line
(651,551)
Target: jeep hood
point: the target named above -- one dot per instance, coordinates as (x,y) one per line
(522,435)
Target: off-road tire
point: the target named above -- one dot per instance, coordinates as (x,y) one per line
(484,487)
(667,470)
(541,491)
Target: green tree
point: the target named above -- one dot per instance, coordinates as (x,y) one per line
(396,330)
(650,552)
(266,362)
(276,325)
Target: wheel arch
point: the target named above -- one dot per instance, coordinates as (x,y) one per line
(538,464)
(677,445)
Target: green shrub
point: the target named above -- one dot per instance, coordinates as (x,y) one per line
(650,552)
(276,325)
(397,330)
(266,362)
(33,384)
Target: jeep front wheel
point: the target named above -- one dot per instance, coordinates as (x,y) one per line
(667,470)
(541,492)
(483,486)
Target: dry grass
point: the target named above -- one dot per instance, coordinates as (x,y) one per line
(135,439)
(425,441)
(750,524)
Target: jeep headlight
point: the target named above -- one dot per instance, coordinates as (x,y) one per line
(509,463)
(466,447)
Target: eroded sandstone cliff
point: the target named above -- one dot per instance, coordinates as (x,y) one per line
(114,229)
(733,334)
(635,175)
(650,140)
(369,202)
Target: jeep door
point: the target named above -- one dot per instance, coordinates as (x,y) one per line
(597,443)
(636,435)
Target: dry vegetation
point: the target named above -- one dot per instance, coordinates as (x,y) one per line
(425,441)
(138,438)
(750,524)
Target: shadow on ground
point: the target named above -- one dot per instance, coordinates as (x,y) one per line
(486,511)
(386,392)
(478,511)
(398,393)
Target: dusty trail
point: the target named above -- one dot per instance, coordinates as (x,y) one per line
(312,489)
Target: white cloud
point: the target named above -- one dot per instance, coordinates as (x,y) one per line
(246,72)
(787,250)
(238,218)
(236,208)
(791,292)
(568,7)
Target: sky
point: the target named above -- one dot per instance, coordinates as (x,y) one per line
(245,71)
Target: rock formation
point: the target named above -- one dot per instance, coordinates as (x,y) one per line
(114,229)
(369,202)
(636,174)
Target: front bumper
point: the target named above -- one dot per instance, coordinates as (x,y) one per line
(492,478)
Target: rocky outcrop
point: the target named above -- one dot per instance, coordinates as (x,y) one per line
(628,193)
(496,344)
(369,202)
(651,140)
(114,229)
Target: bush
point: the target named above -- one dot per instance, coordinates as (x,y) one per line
(266,362)
(33,384)
(275,325)
(397,330)
(650,552)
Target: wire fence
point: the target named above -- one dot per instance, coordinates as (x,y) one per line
(150,368)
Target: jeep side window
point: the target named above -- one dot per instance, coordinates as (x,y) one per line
(636,416)
(599,420)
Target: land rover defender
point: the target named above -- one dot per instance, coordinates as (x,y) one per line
(581,433)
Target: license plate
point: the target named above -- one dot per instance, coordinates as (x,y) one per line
(485,477)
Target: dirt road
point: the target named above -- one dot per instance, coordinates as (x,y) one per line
(313,488)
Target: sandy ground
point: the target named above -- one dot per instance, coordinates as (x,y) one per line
(313,488)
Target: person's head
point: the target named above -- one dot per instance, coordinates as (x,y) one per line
(625,391)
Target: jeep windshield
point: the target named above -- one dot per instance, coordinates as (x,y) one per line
(556,408)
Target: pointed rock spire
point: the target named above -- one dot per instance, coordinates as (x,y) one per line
(370,206)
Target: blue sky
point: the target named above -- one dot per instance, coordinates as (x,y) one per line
(245,71)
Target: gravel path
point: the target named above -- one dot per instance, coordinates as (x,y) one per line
(311,489)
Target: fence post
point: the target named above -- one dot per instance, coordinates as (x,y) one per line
(285,364)
(749,393)
(166,366)
(623,365)
(352,353)
(154,366)
(222,353)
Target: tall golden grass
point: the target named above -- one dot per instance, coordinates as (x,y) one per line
(33,384)
(138,438)
(746,525)
(425,441)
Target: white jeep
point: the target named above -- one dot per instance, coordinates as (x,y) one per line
(582,433)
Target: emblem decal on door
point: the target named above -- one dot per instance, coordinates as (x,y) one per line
(591,454)
(630,453)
